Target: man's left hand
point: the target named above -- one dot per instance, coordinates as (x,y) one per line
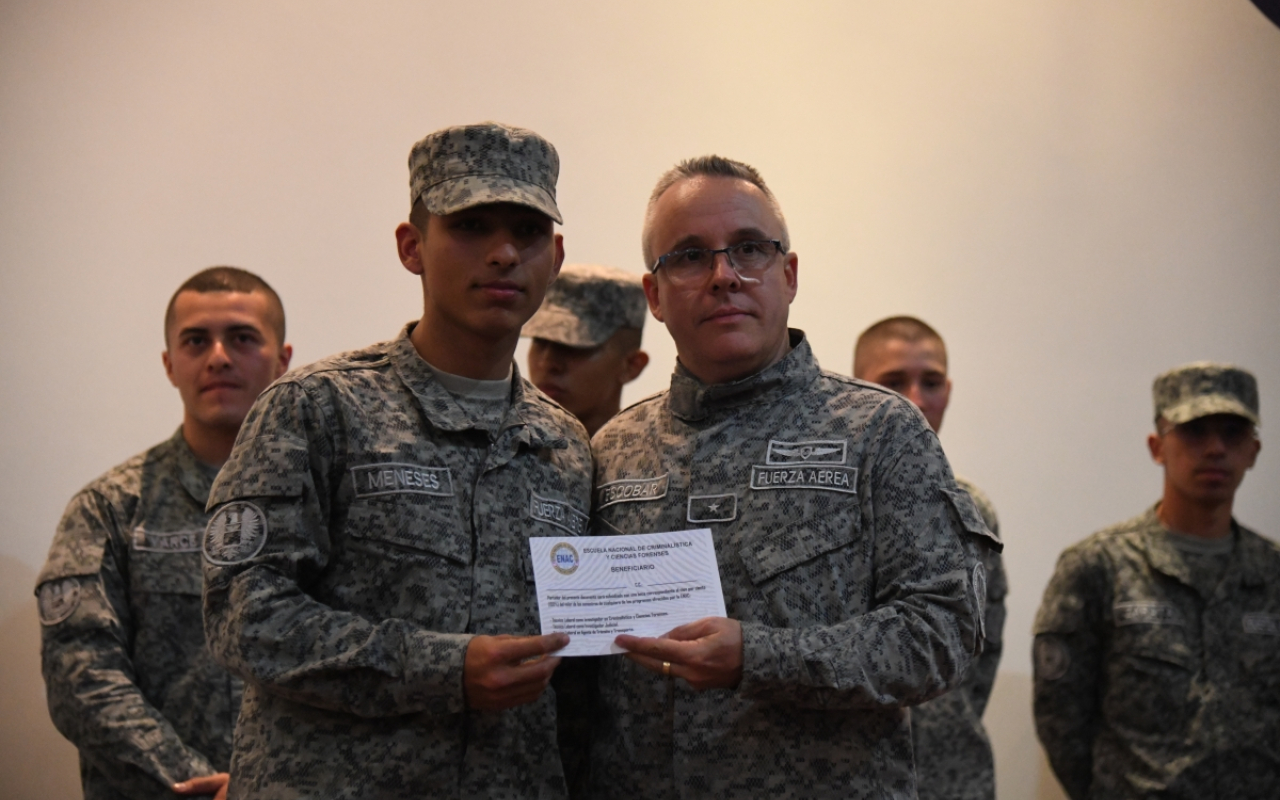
(215,785)
(706,653)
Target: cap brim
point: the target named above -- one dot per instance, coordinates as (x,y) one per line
(1207,405)
(562,327)
(451,196)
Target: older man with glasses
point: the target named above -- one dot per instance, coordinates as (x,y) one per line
(1157,649)
(847,553)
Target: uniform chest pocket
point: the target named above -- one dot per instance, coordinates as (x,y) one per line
(410,526)
(405,557)
(167,571)
(1260,655)
(815,571)
(1150,677)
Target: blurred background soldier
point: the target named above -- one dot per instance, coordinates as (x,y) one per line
(1157,648)
(849,589)
(953,753)
(130,681)
(586,340)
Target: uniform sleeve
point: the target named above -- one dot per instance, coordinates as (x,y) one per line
(268,540)
(982,675)
(923,627)
(94,698)
(1066,662)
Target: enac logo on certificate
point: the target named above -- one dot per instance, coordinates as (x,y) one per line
(643,585)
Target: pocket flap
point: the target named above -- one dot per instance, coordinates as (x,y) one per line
(970,519)
(774,553)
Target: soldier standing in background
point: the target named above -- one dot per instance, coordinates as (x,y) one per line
(842,540)
(130,681)
(586,341)
(367,564)
(1157,647)
(953,752)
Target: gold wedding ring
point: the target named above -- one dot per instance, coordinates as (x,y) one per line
(666,668)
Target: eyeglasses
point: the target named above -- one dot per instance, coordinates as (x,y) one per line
(748,259)
(1232,430)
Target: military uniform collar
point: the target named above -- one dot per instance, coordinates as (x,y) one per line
(527,421)
(691,400)
(194,475)
(1163,556)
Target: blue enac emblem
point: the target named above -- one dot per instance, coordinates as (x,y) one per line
(564,558)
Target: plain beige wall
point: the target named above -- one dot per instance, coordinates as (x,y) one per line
(1077,193)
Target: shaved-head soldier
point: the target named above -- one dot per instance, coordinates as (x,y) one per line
(846,550)
(1157,644)
(586,340)
(367,567)
(130,681)
(953,751)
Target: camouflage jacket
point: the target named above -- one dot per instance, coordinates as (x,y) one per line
(953,753)
(129,679)
(1144,687)
(366,529)
(843,549)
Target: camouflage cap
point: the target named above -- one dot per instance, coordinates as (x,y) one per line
(469,165)
(587,304)
(1203,388)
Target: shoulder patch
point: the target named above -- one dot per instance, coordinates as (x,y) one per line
(1051,658)
(979,580)
(57,599)
(237,532)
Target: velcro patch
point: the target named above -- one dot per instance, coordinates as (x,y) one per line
(1146,612)
(1051,657)
(712,508)
(237,532)
(166,541)
(631,490)
(558,513)
(822,451)
(397,478)
(1263,624)
(825,478)
(57,599)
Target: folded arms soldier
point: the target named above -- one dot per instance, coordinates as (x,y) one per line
(130,681)
(367,563)
(1157,647)
(847,553)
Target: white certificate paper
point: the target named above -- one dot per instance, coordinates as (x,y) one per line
(596,587)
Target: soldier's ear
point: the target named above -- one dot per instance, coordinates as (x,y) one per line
(1155,443)
(651,294)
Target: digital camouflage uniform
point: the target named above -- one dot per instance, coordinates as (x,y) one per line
(846,551)
(129,679)
(367,527)
(953,752)
(1147,686)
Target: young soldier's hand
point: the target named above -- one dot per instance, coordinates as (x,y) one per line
(215,785)
(707,653)
(507,671)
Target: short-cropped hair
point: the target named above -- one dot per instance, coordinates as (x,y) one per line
(711,166)
(901,328)
(229,279)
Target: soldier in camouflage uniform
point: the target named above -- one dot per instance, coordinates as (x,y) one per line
(367,565)
(1157,647)
(586,341)
(845,548)
(130,681)
(953,752)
